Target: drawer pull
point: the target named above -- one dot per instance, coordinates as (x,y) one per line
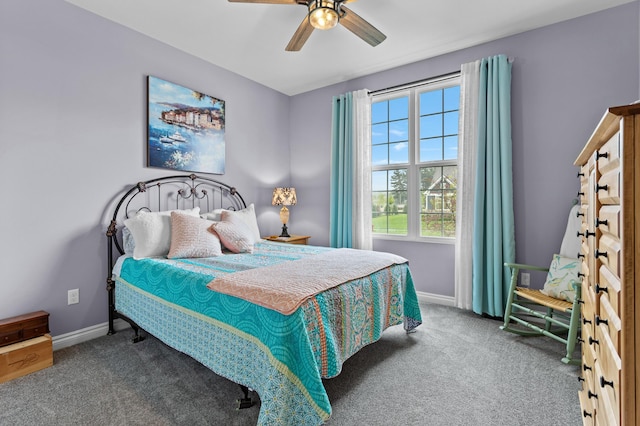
(585,413)
(593,341)
(580,255)
(585,367)
(580,174)
(580,340)
(580,379)
(580,194)
(599,253)
(586,234)
(579,213)
(604,383)
(586,321)
(599,222)
(601,289)
(601,321)
(580,275)
(602,187)
(603,155)
(592,395)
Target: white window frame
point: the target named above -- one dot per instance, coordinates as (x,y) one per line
(413,92)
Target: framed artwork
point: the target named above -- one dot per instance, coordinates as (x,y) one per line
(185,129)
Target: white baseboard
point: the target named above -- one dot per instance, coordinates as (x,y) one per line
(435,298)
(99,330)
(86,334)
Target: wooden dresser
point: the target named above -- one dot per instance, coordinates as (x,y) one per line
(609,197)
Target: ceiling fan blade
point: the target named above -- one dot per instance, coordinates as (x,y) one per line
(354,23)
(300,36)
(267,1)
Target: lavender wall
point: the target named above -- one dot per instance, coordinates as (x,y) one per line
(73,114)
(564,77)
(72,134)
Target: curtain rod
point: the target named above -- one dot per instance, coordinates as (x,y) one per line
(403,86)
(440,77)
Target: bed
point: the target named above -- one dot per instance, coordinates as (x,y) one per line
(275,318)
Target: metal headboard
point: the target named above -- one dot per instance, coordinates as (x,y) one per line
(165,193)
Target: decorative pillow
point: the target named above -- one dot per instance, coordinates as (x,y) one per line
(152,232)
(191,237)
(235,235)
(563,272)
(248,216)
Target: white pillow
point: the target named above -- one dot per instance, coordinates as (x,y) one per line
(234,234)
(213,215)
(151,232)
(127,241)
(246,215)
(191,237)
(563,272)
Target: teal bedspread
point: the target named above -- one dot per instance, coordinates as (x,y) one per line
(282,357)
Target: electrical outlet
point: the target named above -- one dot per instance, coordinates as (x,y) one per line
(73,296)
(525,278)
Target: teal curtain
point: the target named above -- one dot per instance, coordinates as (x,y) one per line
(342,172)
(494,234)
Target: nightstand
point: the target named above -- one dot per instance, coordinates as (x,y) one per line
(294,239)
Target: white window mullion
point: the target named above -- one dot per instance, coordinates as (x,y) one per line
(413,179)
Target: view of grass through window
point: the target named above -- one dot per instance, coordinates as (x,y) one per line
(414,152)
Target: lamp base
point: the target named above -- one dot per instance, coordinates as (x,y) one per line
(285,232)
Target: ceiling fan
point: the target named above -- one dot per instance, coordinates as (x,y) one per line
(324,15)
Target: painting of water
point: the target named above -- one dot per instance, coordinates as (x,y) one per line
(185,129)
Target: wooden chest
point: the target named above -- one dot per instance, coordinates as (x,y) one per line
(23,327)
(25,357)
(610,199)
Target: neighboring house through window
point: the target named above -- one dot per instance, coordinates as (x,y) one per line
(414,156)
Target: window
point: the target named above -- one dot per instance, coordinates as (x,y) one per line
(414,157)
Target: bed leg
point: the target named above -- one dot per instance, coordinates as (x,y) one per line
(137,337)
(246,401)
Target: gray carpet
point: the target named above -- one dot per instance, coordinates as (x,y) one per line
(458,369)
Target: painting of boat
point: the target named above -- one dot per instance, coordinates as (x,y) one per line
(186,128)
(177,136)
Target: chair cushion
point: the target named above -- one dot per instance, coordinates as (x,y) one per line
(563,272)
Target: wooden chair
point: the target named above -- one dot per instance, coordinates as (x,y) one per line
(530,312)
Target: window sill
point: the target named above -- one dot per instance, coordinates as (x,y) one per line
(426,240)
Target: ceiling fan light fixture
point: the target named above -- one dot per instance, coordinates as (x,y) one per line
(323,14)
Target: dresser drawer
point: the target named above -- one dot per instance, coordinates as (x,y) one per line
(609,155)
(589,390)
(608,220)
(587,410)
(584,249)
(583,194)
(588,313)
(608,412)
(608,322)
(609,285)
(607,380)
(608,253)
(608,188)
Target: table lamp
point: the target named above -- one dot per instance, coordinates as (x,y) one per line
(284,197)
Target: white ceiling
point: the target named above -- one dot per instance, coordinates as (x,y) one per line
(249,39)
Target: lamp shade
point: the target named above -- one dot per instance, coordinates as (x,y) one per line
(284,197)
